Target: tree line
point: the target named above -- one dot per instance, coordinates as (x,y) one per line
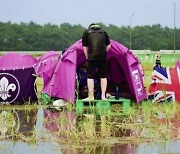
(34,37)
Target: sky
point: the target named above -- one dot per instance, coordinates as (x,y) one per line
(85,12)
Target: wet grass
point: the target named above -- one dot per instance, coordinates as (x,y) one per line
(148,62)
(145,122)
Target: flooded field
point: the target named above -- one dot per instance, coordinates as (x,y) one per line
(145,128)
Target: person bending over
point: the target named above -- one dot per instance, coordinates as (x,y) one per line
(96,43)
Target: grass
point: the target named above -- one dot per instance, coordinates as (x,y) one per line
(146,122)
(167,60)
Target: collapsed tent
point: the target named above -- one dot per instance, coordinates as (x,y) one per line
(17,78)
(125,71)
(165,84)
(46,62)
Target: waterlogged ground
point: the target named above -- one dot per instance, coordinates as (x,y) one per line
(145,128)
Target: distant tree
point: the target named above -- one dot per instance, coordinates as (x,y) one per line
(31,36)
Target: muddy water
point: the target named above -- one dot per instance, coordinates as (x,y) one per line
(38,131)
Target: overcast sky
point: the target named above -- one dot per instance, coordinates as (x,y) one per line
(84,12)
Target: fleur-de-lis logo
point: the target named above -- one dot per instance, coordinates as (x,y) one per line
(5,87)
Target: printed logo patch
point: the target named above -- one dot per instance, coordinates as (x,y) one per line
(9,88)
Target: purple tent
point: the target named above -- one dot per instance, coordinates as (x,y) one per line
(14,60)
(124,68)
(46,62)
(17,78)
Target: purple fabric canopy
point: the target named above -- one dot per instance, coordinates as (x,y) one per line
(17,78)
(46,62)
(13,60)
(123,67)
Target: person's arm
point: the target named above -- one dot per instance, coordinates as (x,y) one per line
(108,47)
(85,44)
(85,49)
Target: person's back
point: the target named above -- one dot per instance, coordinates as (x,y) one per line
(97,40)
(95,44)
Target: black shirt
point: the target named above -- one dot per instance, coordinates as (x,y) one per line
(96,40)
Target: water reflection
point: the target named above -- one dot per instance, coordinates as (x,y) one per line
(15,121)
(56,121)
(84,126)
(103,149)
(46,130)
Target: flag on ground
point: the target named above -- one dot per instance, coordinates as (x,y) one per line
(165,84)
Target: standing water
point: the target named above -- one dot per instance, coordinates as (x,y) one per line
(41,130)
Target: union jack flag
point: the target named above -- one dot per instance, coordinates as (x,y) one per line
(165,84)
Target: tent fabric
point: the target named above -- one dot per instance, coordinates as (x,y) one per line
(46,62)
(60,84)
(13,60)
(17,86)
(123,67)
(17,79)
